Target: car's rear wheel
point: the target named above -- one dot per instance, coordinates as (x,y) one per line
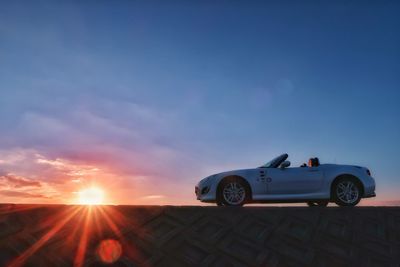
(320,203)
(346,192)
(232,192)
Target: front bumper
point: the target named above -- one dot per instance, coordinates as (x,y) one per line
(204,192)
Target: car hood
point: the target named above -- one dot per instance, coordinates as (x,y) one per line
(223,174)
(233,172)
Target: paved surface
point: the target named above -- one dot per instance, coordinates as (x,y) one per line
(198,236)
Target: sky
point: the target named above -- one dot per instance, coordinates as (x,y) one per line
(145,98)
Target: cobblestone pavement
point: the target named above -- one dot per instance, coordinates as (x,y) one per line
(57,235)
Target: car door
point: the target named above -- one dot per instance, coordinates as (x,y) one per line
(302,180)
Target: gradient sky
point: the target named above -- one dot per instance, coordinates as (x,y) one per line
(145,98)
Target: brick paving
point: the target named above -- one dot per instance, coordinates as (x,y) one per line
(58,235)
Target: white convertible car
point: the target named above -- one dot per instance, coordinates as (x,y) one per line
(274,182)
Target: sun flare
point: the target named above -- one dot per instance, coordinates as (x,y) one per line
(91,196)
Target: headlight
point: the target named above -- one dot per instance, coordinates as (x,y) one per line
(205,190)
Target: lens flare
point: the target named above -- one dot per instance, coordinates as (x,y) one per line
(109,251)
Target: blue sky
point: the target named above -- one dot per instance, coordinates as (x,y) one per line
(148,91)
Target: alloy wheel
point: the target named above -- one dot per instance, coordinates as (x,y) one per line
(234,193)
(347,192)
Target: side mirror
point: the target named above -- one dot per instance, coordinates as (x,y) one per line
(285,164)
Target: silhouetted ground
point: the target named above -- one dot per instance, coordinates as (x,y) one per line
(57,235)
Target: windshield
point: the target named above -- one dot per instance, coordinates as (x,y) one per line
(274,163)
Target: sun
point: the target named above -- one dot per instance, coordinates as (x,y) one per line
(91,196)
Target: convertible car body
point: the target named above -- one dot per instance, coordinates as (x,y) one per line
(314,184)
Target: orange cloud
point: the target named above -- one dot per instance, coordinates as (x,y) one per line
(18,182)
(10,193)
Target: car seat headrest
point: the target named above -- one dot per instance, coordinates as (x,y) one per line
(313,162)
(316,162)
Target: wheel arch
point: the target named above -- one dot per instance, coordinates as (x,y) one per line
(346,175)
(226,178)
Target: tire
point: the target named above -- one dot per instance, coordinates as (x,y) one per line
(347,192)
(320,203)
(233,192)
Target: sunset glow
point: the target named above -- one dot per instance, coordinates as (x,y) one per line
(90,112)
(91,196)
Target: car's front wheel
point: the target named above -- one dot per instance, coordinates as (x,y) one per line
(346,192)
(232,192)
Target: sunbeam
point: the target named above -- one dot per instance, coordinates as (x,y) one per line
(20,260)
(90,223)
(130,249)
(80,253)
(110,223)
(12,208)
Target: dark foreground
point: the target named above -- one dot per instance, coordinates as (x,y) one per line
(37,235)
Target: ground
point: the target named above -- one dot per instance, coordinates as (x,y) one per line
(58,235)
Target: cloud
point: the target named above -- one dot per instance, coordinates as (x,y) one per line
(153,197)
(125,136)
(18,194)
(58,178)
(121,145)
(18,182)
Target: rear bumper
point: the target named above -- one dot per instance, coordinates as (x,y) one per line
(369,187)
